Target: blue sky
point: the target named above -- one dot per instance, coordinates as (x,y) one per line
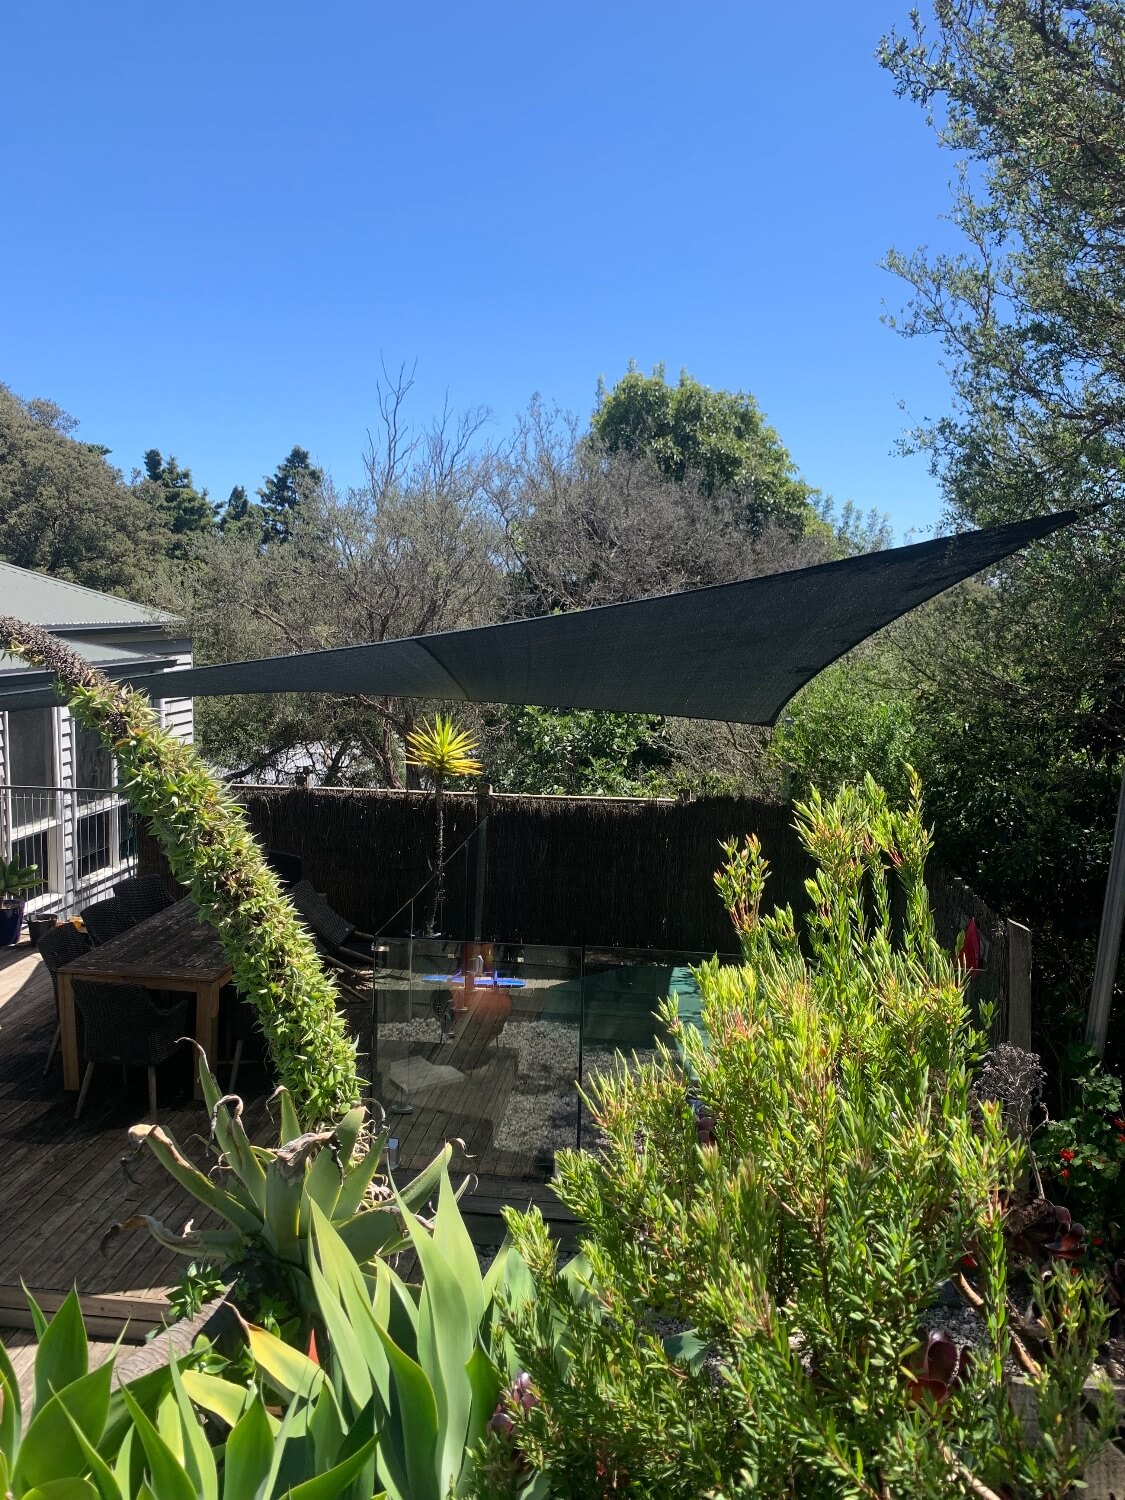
(219,217)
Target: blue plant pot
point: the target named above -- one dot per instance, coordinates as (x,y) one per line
(11,920)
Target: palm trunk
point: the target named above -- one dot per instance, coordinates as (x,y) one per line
(439,859)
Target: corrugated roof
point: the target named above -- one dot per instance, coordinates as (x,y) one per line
(54,603)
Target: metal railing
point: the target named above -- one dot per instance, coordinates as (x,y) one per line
(82,839)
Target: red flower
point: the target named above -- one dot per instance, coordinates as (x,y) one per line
(1065,1172)
(969,1262)
(1119,1124)
(1067,1154)
(1121,1140)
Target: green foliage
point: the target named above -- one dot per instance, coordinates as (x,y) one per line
(765,1242)
(210,849)
(416,1360)
(16,877)
(266,1198)
(441,750)
(84,1441)
(719,438)
(1026,718)
(285,492)
(578,752)
(397,1406)
(854,719)
(65,511)
(1084,1151)
(187,511)
(1029,94)
(197,1286)
(242,516)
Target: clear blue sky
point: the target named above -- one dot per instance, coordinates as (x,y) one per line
(218,216)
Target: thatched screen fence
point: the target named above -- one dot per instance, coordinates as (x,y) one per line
(574,871)
(558,870)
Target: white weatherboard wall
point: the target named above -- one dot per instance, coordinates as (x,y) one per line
(84,834)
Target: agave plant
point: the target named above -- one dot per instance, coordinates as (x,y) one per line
(412,1364)
(84,1440)
(397,1404)
(267,1196)
(441,750)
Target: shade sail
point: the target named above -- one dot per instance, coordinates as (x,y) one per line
(735,651)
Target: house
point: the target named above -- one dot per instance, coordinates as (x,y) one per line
(59,805)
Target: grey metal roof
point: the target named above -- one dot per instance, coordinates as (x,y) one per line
(56,604)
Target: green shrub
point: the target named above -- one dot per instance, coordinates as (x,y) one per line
(1084,1152)
(774,1216)
(210,849)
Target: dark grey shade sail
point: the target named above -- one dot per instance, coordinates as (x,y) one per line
(735,651)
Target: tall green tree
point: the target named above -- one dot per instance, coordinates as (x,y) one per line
(1022,688)
(242,516)
(293,484)
(66,511)
(188,512)
(716,439)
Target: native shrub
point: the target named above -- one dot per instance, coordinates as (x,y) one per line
(210,849)
(779,1204)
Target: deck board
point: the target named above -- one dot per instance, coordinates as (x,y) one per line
(63,1185)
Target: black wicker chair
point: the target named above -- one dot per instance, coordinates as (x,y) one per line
(105,920)
(58,946)
(123,1024)
(334,934)
(141,896)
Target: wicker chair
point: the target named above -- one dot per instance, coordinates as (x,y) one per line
(106,920)
(58,946)
(142,896)
(334,934)
(123,1024)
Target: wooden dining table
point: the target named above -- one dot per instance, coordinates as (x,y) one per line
(173,950)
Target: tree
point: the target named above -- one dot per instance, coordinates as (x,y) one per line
(718,440)
(441,751)
(187,511)
(242,516)
(415,549)
(283,493)
(1024,691)
(587,525)
(65,511)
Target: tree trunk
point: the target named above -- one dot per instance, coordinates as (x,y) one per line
(439,859)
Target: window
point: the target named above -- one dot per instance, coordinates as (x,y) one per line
(31,747)
(35,850)
(93,764)
(95,848)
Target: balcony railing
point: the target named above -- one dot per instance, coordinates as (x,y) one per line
(82,839)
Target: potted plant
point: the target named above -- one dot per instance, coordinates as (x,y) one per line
(15,878)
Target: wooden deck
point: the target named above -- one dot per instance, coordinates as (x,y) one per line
(63,1184)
